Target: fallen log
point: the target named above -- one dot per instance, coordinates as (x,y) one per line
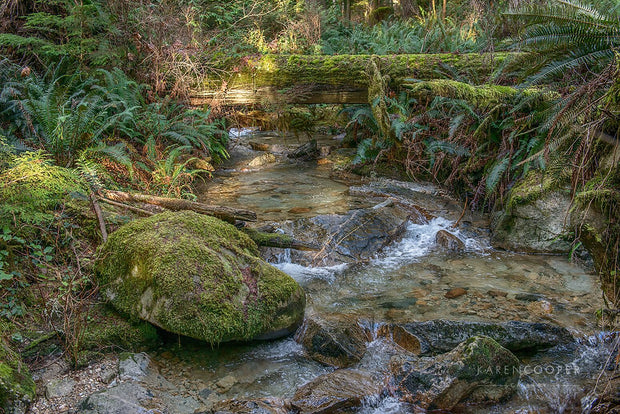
(175,204)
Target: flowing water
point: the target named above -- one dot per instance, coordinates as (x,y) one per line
(406,282)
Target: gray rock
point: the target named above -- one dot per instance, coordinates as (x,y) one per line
(538,227)
(339,391)
(339,342)
(59,387)
(134,366)
(124,398)
(478,368)
(439,336)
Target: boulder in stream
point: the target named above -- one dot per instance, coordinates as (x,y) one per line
(339,342)
(339,391)
(478,369)
(348,238)
(197,276)
(440,336)
(449,241)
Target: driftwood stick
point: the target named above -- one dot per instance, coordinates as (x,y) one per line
(223,213)
(99,214)
(137,210)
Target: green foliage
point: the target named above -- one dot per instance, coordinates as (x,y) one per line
(569,34)
(33,188)
(426,34)
(79,31)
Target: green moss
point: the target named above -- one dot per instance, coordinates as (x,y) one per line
(16,383)
(482,96)
(32,188)
(533,186)
(194,275)
(350,70)
(108,330)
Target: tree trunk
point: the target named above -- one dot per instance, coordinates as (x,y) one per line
(223,213)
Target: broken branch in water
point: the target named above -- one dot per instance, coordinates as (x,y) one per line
(175,204)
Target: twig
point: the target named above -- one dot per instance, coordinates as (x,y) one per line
(126,206)
(455,225)
(99,214)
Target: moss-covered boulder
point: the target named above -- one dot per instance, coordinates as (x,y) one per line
(536,217)
(17,389)
(197,276)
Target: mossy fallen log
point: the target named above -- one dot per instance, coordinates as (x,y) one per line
(335,79)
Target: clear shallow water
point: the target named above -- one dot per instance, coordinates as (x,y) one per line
(406,282)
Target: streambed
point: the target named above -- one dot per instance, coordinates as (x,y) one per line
(410,280)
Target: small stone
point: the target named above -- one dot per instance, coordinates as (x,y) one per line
(455,293)
(258,146)
(225,384)
(108,374)
(449,241)
(324,151)
(529,297)
(497,293)
(263,159)
(540,308)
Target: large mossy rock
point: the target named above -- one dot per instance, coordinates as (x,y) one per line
(17,388)
(197,276)
(478,370)
(536,218)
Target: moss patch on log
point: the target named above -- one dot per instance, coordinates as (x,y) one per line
(350,70)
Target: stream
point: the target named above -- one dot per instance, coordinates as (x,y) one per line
(406,281)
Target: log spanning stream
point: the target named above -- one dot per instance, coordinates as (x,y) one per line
(412,279)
